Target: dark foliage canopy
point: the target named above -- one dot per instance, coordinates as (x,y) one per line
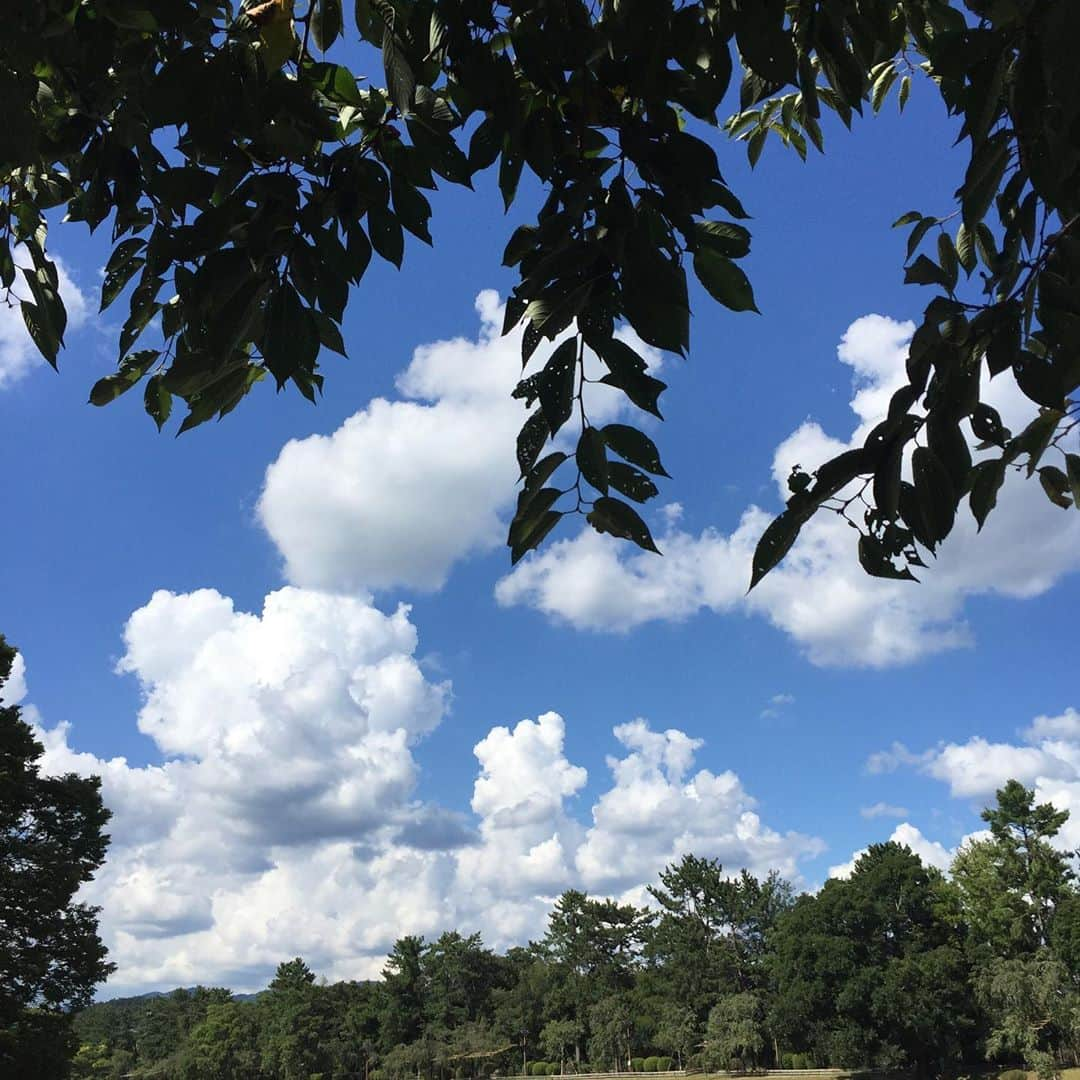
(51,842)
(248,176)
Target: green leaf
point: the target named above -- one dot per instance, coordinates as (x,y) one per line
(40,331)
(775,543)
(987,426)
(326,23)
(983,177)
(916,234)
(876,561)
(626,372)
(523,240)
(1056,485)
(530,441)
(592,459)
(764,43)
(290,337)
(131,371)
(633,483)
(400,80)
(610,515)
(329,333)
(936,495)
(386,235)
(950,262)
(723,279)
(1072,468)
(924,271)
(509,174)
(157,401)
(637,448)
(412,209)
(533,534)
(728,239)
(556,385)
(542,470)
(965,248)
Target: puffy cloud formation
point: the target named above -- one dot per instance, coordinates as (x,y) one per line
(405,488)
(18,353)
(819,595)
(1046,758)
(657,810)
(285,815)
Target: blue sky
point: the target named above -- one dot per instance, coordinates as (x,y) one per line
(331,775)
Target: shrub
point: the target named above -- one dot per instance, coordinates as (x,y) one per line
(553,1069)
(1013,1074)
(787,1060)
(651,1064)
(637,1064)
(538,1068)
(663,1064)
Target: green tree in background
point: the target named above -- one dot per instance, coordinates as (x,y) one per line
(52,840)
(248,177)
(890,968)
(735,1036)
(873,971)
(558,1038)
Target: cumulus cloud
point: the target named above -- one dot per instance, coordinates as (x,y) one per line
(1046,757)
(819,595)
(18,353)
(286,814)
(657,809)
(405,488)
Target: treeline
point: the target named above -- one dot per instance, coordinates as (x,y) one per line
(898,967)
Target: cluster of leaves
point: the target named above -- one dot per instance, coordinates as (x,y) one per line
(248,179)
(1015,232)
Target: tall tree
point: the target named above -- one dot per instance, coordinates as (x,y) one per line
(873,970)
(403,978)
(1012,882)
(248,175)
(52,840)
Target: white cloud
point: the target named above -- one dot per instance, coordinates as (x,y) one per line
(1047,759)
(405,488)
(18,353)
(657,809)
(285,816)
(818,595)
(897,756)
(15,688)
(883,809)
(777,704)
